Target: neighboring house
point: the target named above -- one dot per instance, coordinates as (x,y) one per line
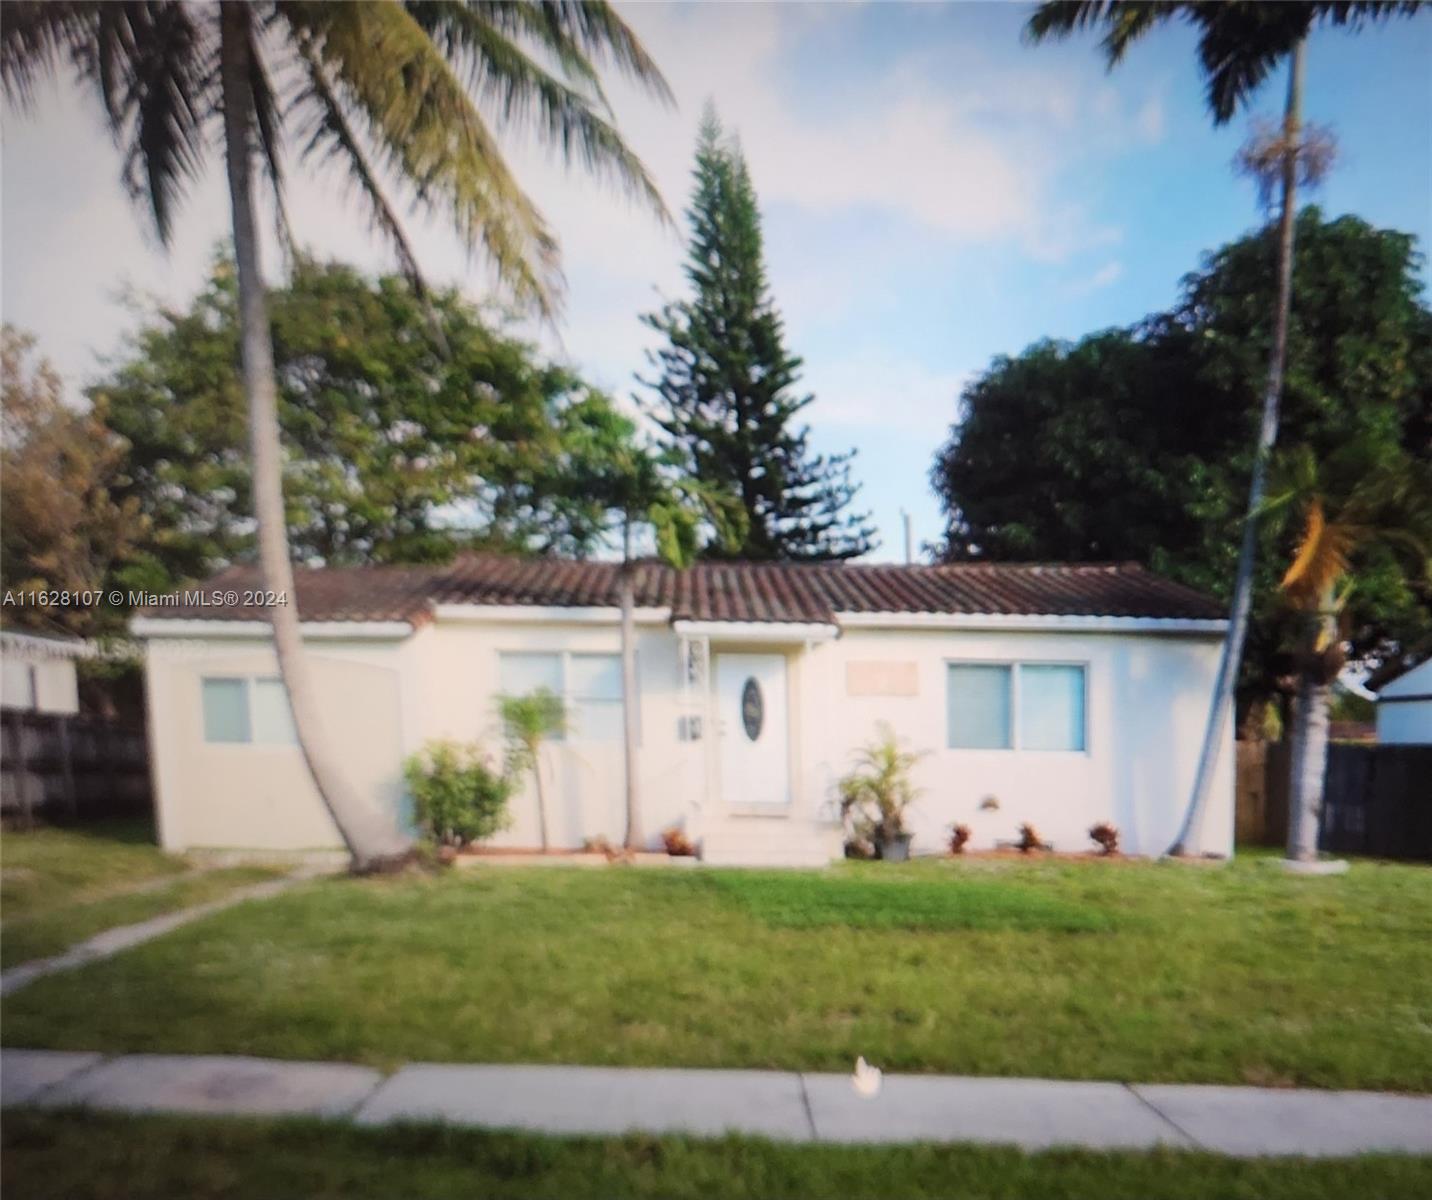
(1404,706)
(37,671)
(1069,694)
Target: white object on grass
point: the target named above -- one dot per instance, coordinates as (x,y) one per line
(866,1080)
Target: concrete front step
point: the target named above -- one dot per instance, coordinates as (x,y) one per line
(769,842)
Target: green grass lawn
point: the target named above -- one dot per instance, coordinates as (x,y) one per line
(1132,971)
(61,886)
(43,868)
(70,1156)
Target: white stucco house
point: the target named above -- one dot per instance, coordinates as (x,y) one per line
(1056,695)
(1404,707)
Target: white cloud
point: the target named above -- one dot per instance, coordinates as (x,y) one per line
(870,387)
(1107,275)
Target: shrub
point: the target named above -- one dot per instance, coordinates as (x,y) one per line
(677,844)
(959,835)
(1029,839)
(457,795)
(1107,836)
(875,795)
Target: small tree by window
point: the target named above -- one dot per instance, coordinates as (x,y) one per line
(530,721)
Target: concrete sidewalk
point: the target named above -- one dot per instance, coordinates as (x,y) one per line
(1034,1114)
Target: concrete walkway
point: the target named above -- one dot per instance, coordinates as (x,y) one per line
(125,937)
(1030,1113)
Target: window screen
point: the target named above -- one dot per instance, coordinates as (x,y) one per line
(1051,707)
(594,683)
(522,674)
(979,706)
(272,718)
(226,711)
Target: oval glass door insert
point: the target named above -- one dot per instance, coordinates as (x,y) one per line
(753,709)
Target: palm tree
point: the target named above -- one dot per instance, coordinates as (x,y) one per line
(637,488)
(1240,43)
(1385,504)
(381,86)
(529,721)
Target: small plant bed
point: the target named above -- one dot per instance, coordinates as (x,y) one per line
(516,856)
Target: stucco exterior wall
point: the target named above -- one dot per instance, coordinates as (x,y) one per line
(1147,700)
(1404,708)
(458,663)
(256,796)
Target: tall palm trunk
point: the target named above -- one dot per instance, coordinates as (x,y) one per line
(1310,735)
(369,837)
(1267,435)
(633,839)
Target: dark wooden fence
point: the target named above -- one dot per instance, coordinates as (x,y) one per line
(70,768)
(1377,800)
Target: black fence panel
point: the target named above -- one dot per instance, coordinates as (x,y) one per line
(1378,801)
(59,768)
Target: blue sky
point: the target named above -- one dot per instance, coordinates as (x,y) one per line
(935,193)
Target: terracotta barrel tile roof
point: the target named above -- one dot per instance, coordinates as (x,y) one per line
(718,591)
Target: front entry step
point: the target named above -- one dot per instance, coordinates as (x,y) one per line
(785,845)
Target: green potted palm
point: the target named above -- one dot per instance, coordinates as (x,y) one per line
(876,793)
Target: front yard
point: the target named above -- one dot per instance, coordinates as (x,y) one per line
(1130,971)
(61,886)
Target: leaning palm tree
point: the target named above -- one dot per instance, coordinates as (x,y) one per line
(1240,43)
(383,88)
(1351,504)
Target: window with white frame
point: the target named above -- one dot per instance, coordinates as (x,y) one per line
(244,710)
(1016,706)
(590,686)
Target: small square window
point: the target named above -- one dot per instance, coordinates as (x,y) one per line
(226,711)
(1051,707)
(272,717)
(979,706)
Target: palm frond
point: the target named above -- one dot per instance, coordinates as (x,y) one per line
(385,68)
(155,71)
(1321,558)
(1124,23)
(524,93)
(330,133)
(579,33)
(35,38)
(268,121)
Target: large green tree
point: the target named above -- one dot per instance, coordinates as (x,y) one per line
(726,384)
(395,88)
(1136,443)
(64,527)
(403,446)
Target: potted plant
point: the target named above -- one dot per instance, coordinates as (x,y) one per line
(876,793)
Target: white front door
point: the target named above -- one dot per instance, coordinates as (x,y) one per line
(752,729)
